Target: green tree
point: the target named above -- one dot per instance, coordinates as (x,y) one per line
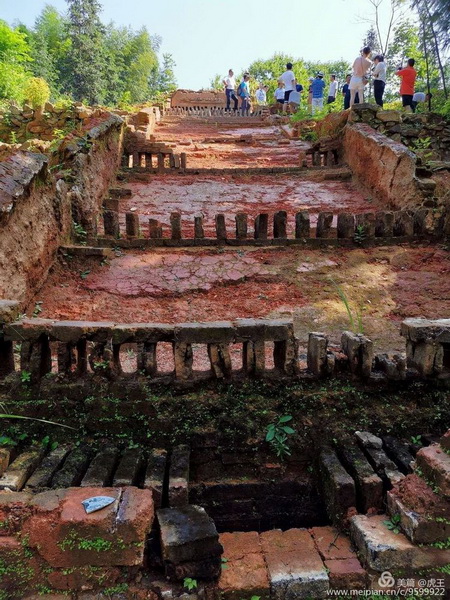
(14,59)
(86,53)
(269,70)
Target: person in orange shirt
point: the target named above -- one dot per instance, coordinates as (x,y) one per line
(408,76)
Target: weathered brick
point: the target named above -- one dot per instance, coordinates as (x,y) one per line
(245,573)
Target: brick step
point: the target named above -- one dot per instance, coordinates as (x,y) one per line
(424,515)
(434,462)
(382,549)
(297,563)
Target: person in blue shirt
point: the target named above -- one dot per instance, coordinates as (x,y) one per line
(317,86)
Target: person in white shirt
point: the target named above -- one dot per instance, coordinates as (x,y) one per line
(230,87)
(379,79)
(420,97)
(288,78)
(260,94)
(279,92)
(332,89)
(359,79)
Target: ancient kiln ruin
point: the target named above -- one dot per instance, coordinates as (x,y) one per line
(247,335)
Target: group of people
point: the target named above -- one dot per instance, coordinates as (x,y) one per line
(289,90)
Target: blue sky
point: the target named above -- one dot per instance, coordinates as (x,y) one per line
(207,37)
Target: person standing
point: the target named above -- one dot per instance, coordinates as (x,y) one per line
(230,87)
(279,92)
(332,89)
(346,93)
(379,79)
(359,78)
(260,94)
(408,76)
(244,94)
(317,86)
(288,78)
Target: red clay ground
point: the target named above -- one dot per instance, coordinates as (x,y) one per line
(218,145)
(388,284)
(193,195)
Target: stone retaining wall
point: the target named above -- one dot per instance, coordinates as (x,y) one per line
(382,227)
(384,167)
(37,208)
(77,349)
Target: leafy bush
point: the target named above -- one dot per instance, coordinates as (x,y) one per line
(37,92)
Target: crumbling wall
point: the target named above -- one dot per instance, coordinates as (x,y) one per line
(37,207)
(35,217)
(384,167)
(201,98)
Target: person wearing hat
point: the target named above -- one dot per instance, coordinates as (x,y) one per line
(244,94)
(332,89)
(318,85)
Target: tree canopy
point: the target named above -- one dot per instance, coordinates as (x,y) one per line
(81,58)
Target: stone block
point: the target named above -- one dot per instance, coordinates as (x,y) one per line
(245,573)
(369,486)
(404,224)
(102,468)
(368,440)
(338,487)
(132,224)
(426,330)
(426,522)
(324,223)
(331,544)
(143,332)
(261,226)
(199,232)
(384,467)
(241,226)
(73,468)
(111,223)
(66,536)
(220,359)
(345,225)
(129,468)
(155,229)
(317,354)
(154,475)
(42,476)
(175,223)
(383,550)
(280,224)
(346,574)
(359,351)
(16,475)
(384,224)
(389,116)
(435,465)
(399,452)
(183,360)
(302,225)
(188,535)
(213,332)
(294,565)
(179,476)
(221,229)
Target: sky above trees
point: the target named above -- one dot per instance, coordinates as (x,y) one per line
(207,37)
